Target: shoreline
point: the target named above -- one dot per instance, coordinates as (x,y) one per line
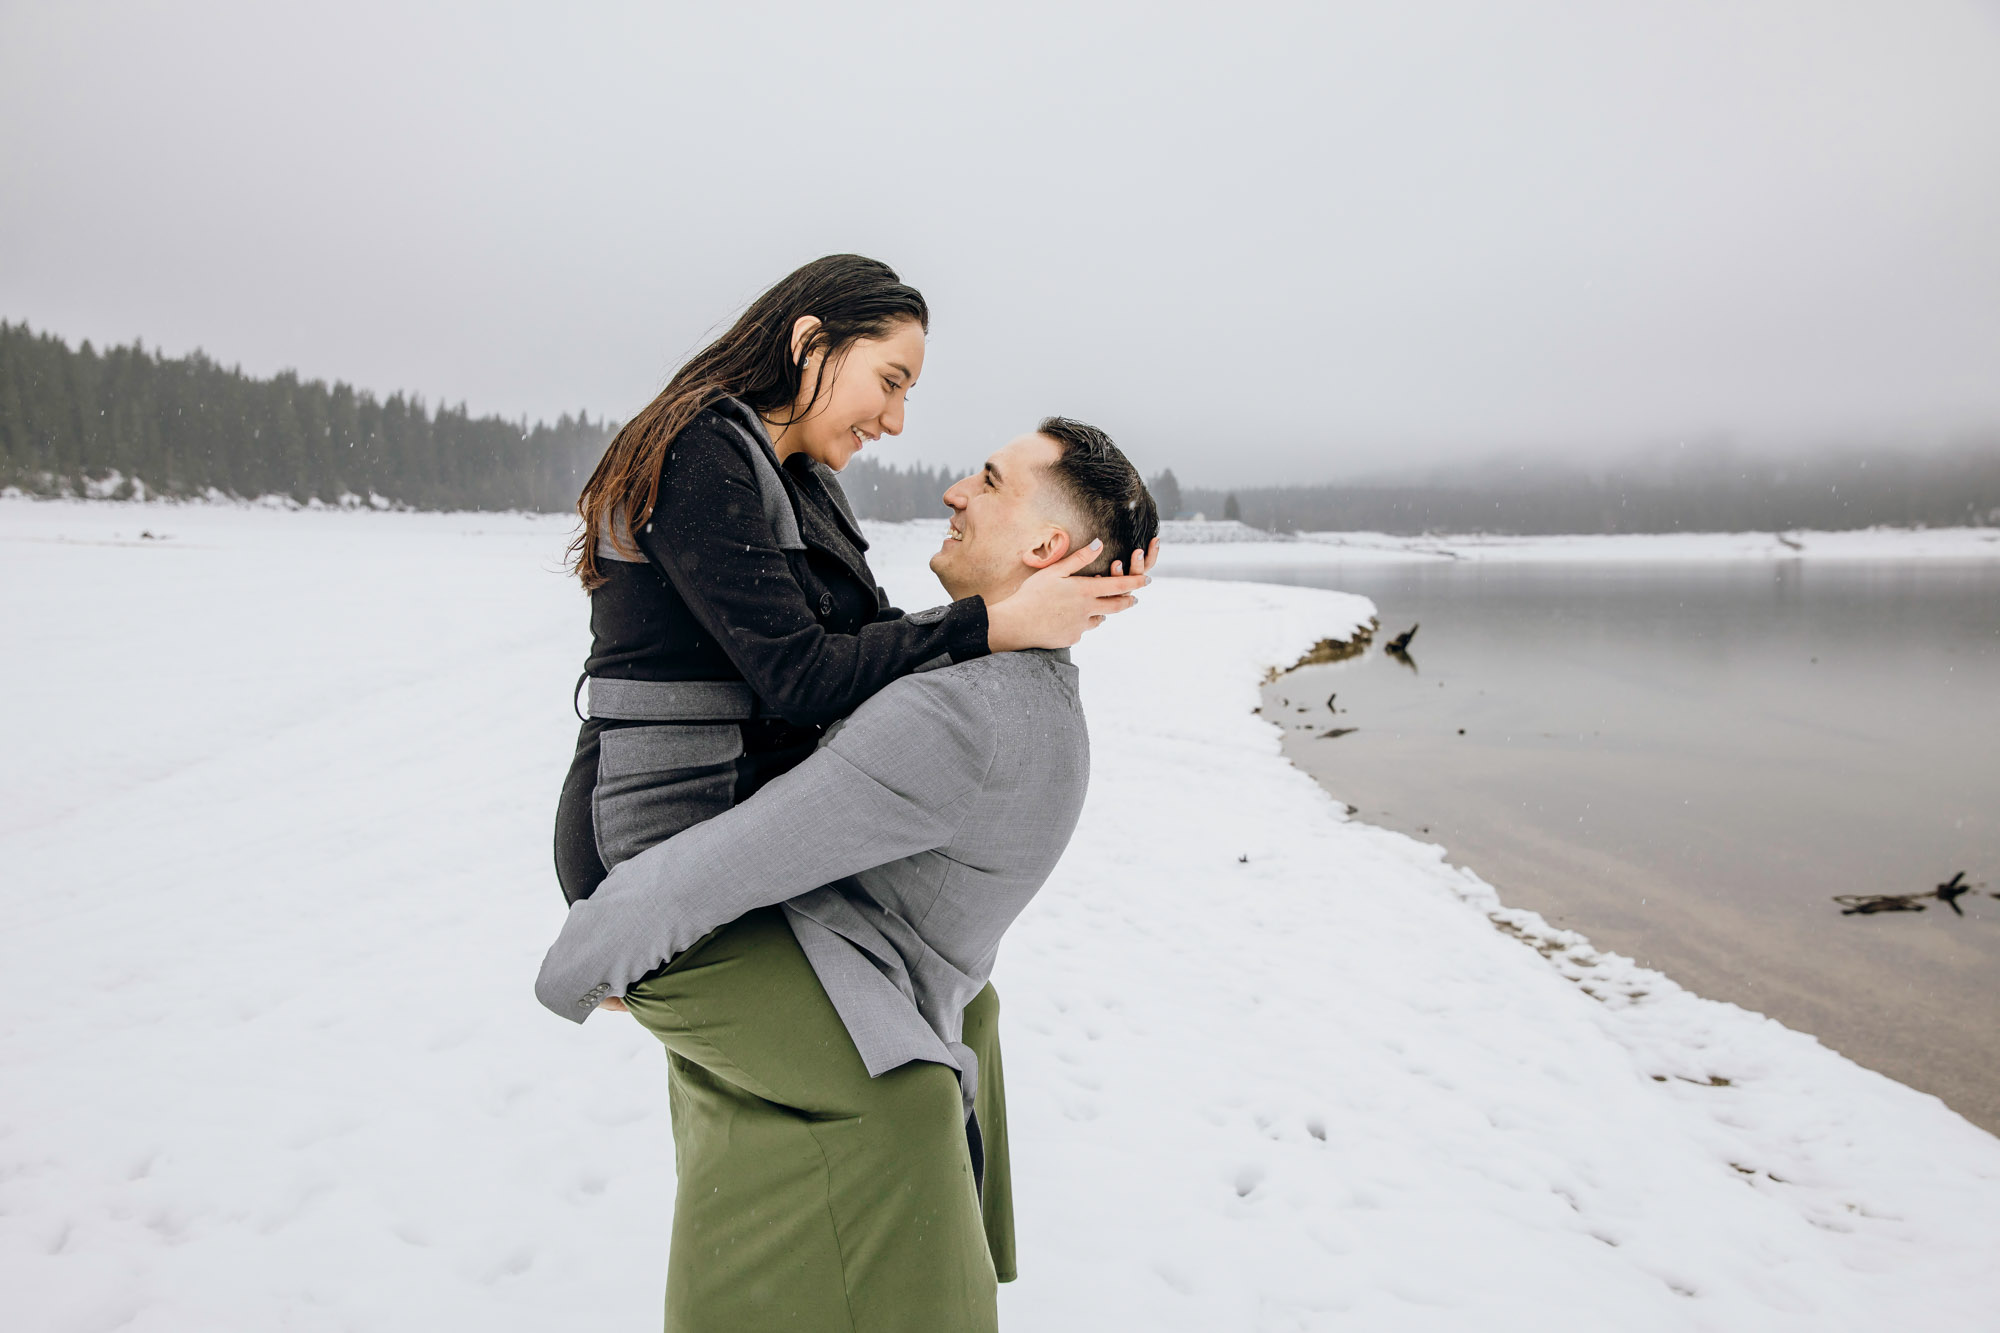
(1695,940)
(1736,786)
(1238,547)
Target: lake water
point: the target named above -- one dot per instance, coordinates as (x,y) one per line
(1687,762)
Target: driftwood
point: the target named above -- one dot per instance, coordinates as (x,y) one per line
(1398,648)
(1337,732)
(1868,904)
(1330,650)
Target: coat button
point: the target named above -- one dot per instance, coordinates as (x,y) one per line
(826,603)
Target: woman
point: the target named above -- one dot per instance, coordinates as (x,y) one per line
(733,614)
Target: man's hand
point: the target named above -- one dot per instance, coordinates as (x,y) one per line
(614,1004)
(1054,606)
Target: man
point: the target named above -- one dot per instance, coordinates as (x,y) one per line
(824,940)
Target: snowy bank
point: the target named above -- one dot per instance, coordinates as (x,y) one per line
(276,877)
(1241,548)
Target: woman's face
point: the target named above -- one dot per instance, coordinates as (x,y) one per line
(862,397)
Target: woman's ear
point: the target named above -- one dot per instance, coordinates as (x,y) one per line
(802,331)
(1054,546)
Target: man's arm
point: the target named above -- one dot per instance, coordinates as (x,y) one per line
(894,780)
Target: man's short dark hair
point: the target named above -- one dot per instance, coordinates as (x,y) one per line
(1105,490)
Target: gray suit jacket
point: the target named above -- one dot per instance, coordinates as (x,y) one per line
(902,849)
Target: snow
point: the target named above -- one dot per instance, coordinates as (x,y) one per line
(1239,549)
(1204,532)
(276,880)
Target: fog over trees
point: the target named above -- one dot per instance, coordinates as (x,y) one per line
(1711,488)
(74,419)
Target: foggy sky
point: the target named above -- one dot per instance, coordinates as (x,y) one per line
(1257,243)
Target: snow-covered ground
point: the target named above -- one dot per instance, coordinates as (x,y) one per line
(1208,532)
(274,880)
(1233,544)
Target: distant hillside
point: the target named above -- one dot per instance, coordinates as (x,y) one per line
(1705,490)
(129,421)
(185,426)
(893,493)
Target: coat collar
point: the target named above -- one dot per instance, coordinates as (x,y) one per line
(829,481)
(825,520)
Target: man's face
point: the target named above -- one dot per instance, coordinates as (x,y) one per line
(1001,524)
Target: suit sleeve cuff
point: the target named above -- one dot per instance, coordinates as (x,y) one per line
(965,629)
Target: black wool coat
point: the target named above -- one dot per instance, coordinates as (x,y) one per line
(728,590)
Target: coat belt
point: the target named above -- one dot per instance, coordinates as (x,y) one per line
(669,700)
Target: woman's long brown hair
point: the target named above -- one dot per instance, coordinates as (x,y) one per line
(853,297)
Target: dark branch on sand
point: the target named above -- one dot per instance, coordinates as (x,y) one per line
(1868,904)
(1332,650)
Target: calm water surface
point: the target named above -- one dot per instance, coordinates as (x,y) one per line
(1686,763)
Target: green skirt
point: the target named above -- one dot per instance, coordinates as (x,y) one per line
(811,1196)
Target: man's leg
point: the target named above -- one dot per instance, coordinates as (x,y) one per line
(996,1195)
(810,1196)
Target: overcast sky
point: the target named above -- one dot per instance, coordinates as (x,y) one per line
(1255,242)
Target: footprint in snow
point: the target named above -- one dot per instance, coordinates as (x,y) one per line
(1084,1079)
(1330,1239)
(516,1263)
(1081,1109)
(449,1039)
(169,1226)
(616,1117)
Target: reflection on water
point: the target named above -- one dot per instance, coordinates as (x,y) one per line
(1688,762)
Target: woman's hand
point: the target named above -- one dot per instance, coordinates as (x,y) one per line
(1054,607)
(1142,561)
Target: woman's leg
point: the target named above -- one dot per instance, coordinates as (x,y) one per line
(810,1196)
(996,1192)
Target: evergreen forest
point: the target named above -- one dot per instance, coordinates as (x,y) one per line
(186,426)
(894,493)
